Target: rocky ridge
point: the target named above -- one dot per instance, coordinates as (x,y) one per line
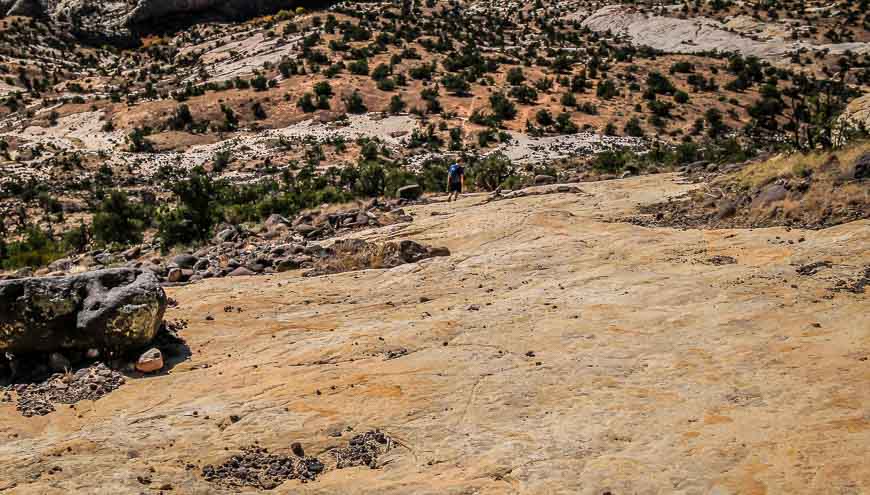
(116,19)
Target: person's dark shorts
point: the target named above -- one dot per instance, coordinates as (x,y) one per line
(455,187)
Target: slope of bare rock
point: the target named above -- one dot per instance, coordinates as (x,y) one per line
(553,352)
(698,35)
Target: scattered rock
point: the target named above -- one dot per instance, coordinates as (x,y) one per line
(287,265)
(856,285)
(276,220)
(813,268)
(395,353)
(91,383)
(725,209)
(132,253)
(719,260)
(256,467)
(241,272)
(363,450)
(175,275)
(357,254)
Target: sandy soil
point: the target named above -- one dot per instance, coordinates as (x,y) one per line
(556,352)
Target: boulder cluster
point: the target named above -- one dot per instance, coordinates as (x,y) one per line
(279,245)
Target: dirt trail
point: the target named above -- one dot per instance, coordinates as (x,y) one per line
(553,352)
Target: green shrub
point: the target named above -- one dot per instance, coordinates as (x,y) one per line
(502,107)
(359,67)
(491,172)
(397,104)
(138,141)
(119,221)
(681,97)
(544,118)
(354,103)
(609,161)
(632,128)
(306,103)
(515,76)
(37,249)
(606,90)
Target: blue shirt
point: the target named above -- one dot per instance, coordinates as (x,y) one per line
(455,173)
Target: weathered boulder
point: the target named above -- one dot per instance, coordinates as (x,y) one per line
(287,265)
(175,275)
(725,209)
(185,261)
(410,192)
(275,220)
(115,309)
(768,195)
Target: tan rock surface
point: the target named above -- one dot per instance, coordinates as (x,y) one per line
(652,371)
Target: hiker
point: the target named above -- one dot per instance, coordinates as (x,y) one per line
(455,181)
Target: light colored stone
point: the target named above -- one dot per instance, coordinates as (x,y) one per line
(150,361)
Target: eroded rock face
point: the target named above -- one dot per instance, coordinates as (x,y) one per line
(116,18)
(113,309)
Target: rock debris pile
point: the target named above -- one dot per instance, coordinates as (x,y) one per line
(256,467)
(363,450)
(39,399)
(280,245)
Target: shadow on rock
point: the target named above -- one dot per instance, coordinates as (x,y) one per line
(38,382)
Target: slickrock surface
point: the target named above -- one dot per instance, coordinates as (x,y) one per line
(552,352)
(698,35)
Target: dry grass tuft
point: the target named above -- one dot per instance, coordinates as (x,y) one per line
(786,166)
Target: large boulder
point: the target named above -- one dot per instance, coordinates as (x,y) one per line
(111,309)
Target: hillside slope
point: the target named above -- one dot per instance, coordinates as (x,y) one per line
(553,352)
